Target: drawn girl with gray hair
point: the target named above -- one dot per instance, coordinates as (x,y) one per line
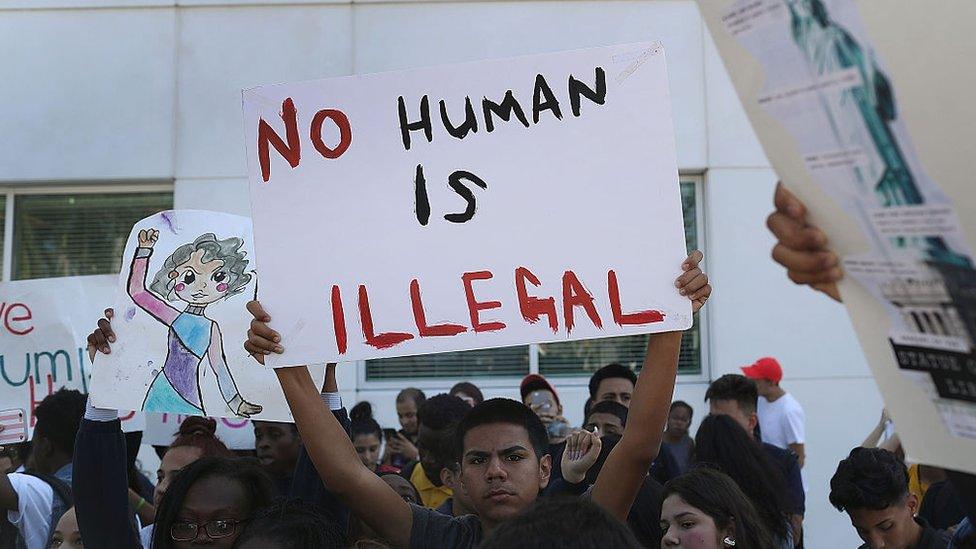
(198,274)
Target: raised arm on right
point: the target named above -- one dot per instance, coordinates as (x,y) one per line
(141,295)
(327,443)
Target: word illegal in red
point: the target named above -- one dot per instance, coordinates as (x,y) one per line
(532,308)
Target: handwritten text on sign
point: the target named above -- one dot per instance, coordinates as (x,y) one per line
(559,217)
(44,325)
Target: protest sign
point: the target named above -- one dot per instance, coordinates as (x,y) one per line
(236,433)
(180,322)
(478,205)
(44,325)
(849,101)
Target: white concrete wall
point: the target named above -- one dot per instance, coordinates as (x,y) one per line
(98,90)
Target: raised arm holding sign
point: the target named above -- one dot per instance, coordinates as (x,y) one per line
(504,460)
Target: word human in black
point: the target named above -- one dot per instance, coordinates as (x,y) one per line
(494,111)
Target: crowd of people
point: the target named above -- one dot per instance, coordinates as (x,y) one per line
(464,471)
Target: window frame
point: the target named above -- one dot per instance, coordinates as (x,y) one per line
(506,382)
(12,190)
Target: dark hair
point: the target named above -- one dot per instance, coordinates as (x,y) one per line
(869,478)
(412,393)
(718,496)
(570,523)
(610,371)
(608,407)
(734,387)
(503,410)
(293,524)
(200,432)
(257,485)
(443,454)
(442,411)
(362,422)
(722,443)
(469,389)
(682,404)
(58,417)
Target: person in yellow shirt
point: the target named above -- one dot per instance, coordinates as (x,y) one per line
(437,416)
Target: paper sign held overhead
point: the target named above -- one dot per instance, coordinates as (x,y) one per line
(479,205)
(44,326)
(180,322)
(845,97)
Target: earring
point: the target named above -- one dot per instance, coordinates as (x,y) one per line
(729,541)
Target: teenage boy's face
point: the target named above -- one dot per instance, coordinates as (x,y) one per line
(277,446)
(608,424)
(892,527)
(500,472)
(617,389)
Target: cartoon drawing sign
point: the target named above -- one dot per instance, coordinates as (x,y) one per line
(195,275)
(180,319)
(478,205)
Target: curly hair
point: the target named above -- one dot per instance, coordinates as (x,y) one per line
(227,250)
(441,411)
(58,417)
(869,478)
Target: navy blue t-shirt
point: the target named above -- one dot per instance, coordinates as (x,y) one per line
(790,465)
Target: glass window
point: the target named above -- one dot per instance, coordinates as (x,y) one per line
(584,357)
(77,234)
(507,361)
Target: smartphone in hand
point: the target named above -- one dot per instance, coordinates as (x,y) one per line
(14,426)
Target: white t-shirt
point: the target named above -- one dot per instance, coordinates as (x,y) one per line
(35,499)
(781,421)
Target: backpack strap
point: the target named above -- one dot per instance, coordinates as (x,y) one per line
(61,488)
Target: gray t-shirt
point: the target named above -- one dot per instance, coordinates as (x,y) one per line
(431,529)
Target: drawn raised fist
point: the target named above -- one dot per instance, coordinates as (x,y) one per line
(147,238)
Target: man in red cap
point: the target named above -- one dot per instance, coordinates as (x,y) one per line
(781,418)
(539,395)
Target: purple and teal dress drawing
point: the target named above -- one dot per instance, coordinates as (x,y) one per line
(197,274)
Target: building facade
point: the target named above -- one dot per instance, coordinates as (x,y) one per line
(115,109)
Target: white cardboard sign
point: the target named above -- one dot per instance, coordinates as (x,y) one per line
(486,204)
(44,325)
